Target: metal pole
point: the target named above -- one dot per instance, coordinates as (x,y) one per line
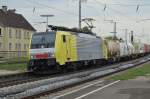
(115,30)
(47,24)
(132,37)
(126,35)
(47,16)
(80,14)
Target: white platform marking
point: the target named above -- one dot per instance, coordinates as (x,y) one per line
(77,90)
(97,90)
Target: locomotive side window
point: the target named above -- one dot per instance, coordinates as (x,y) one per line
(64,38)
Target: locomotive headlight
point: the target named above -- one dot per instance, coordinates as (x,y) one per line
(50,55)
(53,55)
(32,56)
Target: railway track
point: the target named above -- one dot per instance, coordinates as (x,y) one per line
(58,78)
(6,79)
(25,77)
(20,78)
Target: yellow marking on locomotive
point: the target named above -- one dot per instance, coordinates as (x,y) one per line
(65,47)
(73,47)
(105,50)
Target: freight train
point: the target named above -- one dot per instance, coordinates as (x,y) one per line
(61,50)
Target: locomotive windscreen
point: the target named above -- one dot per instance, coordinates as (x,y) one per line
(43,40)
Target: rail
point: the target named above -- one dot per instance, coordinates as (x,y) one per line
(38,87)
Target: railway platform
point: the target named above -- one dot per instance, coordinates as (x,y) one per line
(138,88)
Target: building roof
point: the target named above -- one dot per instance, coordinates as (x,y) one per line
(12,19)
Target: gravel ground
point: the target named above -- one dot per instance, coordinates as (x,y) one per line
(6,72)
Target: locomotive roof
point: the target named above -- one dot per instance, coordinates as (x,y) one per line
(39,33)
(60,28)
(80,34)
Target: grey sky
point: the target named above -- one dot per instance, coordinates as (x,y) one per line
(66,14)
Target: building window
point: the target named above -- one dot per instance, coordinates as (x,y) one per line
(10,33)
(0,31)
(19,34)
(19,47)
(16,33)
(24,34)
(24,46)
(10,46)
(0,45)
(28,36)
(16,47)
(27,46)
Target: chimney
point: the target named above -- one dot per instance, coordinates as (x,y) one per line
(12,10)
(4,8)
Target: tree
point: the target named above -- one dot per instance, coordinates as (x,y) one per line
(112,38)
(86,29)
(75,29)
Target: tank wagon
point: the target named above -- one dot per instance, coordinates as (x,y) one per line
(61,50)
(146,48)
(113,50)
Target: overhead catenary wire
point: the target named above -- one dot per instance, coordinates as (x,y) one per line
(105,6)
(114,10)
(118,12)
(53,8)
(71,13)
(127,5)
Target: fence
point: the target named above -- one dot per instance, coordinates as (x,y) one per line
(13,56)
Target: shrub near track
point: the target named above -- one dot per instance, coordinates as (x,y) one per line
(133,73)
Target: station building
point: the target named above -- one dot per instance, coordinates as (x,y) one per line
(15,34)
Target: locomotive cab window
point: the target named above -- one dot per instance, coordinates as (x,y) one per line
(43,40)
(64,38)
